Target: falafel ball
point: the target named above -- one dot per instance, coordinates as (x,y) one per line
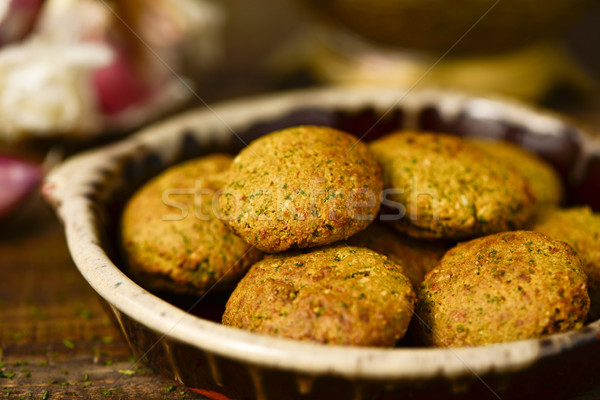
(543,179)
(333,295)
(449,187)
(502,287)
(417,257)
(171,238)
(301,187)
(580,227)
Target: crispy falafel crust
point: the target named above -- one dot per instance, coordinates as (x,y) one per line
(579,227)
(449,187)
(333,295)
(502,287)
(416,257)
(541,176)
(171,238)
(301,187)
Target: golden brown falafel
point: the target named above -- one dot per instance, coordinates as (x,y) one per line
(335,295)
(579,227)
(301,187)
(450,188)
(502,287)
(416,257)
(171,237)
(541,176)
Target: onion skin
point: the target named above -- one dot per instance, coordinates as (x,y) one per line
(119,86)
(18,180)
(19,20)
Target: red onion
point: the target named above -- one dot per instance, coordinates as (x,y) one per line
(18,179)
(119,85)
(18,20)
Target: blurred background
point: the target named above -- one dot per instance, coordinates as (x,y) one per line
(75,74)
(522,48)
(544,52)
(105,66)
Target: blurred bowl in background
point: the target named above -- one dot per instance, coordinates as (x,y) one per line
(437,25)
(510,47)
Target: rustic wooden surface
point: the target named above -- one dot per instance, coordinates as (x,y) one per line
(56,341)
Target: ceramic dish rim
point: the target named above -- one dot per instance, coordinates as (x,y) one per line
(67,188)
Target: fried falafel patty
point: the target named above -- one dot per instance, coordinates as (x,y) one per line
(171,238)
(579,227)
(449,187)
(541,176)
(301,187)
(502,287)
(416,257)
(335,295)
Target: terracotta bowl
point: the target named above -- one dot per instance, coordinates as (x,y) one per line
(181,338)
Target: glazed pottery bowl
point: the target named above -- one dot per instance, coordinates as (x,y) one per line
(181,337)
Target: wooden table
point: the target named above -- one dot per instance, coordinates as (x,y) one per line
(56,340)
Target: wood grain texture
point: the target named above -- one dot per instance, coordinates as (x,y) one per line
(56,340)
